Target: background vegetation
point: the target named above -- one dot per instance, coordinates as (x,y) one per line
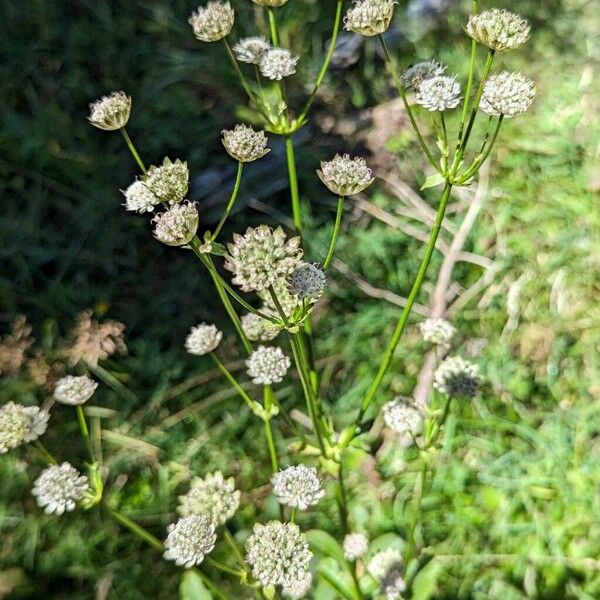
(519,491)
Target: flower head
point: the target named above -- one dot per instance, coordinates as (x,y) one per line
(298,487)
(261,257)
(59,488)
(202,339)
(414,75)
(369,17)
(251,49)
(14,346)
(74,390)
(267,364)
(439,93)
(437,331)
(139,198)
(190,540)
(20,424)
(212,496)
(177,225)
(270,3)
(212,22)
(346,176)
(277,63)
(498,29)
(278,553)
(355,545)
(386,568)
(457,377)
(401,416)
(298,589)
(169,182)
(110,112)
(507,94)
(258,329)
(307,282)
(245,144)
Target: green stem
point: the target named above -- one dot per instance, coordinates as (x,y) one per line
(418,509)
(232,199)
(132,149)
(326,62)
(293,515)
(394,73)
(478,162)
(85,432)
(336,231)
(234,547)
(293,179)
(223,567)
(401,325)
(271,446)
(273,27)
(45,454)
(465,109)
(237,70)
(231,379)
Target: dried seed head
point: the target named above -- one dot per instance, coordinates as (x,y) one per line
(177,225)
(507,94)
(212,22)
(258,329)
(20,424)
(169,182)
(277,63)
(437,331)
(110,112)
(355,546)
(139,198)
(413,76)
(298,589)
(345,176)
(251,49)
(498,29)
(212,496)
(74,390)
(278,553)
(245,144)
(189,540)
(59,488)
(386,568)
(369,17)
(298,487)
(307,282)
(267,364)
(457,377)
(270,3)
(261,257)
(401,416)
(439,93)
(202,339)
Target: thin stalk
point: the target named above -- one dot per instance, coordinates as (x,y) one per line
(234,547)
(293,515)
(418,508)
(232,199)
(273,27)
(401,325)
(271,446)
(231,379)
(394,73)
(132,149)
(237,70)
(478,162)
(465,109)
(293,180)
(336,231)
(39,447)
(223,567)
(325,66)
(85,432)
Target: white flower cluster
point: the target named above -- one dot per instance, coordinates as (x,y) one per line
(176,226)
(202,339)
(438,93)
(258,329)
(251,49)
(355,546)
(507,94)
(369,17)
(278,554)
(261,257)
(345,176)
(386,568)
(414,75)
(437,331)
(20,424)
(212,22)
(74,390)
(457,377)
(169,182)
(110,112)
(139,198)
(403,417)
(190,540)
(298,589)
(298,486)
(212,496)
(244,144)
(307,282)
(277,63)
(59,488)
(498,29)
(267,365)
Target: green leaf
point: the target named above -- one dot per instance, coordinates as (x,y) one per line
(192,588)
(433,180)
(340,581)
(425,583)
(322,542)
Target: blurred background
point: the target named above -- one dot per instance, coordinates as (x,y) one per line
(524,293)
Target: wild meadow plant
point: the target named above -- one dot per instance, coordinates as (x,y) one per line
(275,287)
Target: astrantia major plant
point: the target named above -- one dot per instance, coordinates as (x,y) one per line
(266,268)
